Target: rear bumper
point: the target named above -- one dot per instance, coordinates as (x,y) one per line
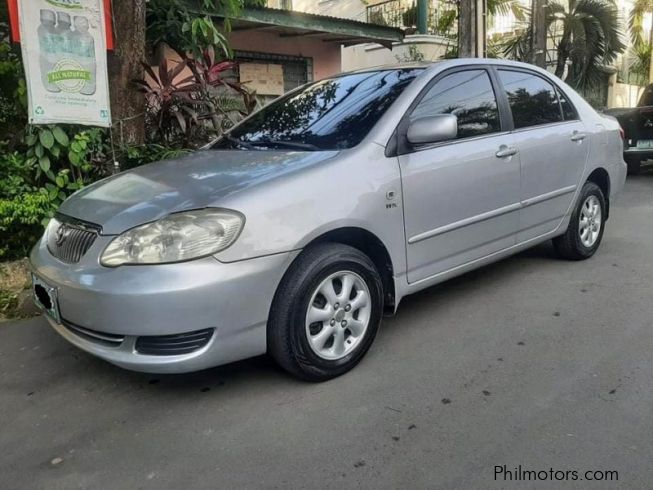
(641,153)
(617,174)
(233,299)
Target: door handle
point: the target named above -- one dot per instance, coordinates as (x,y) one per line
(576,136)
(506,151)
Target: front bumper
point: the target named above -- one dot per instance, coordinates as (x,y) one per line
(135,301)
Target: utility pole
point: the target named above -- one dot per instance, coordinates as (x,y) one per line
(538,27)
(422,16)
(472,22)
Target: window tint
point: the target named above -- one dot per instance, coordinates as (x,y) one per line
(568,110)
(331,114)
(533,100)
(469,96)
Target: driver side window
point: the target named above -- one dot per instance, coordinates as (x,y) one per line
(467,95)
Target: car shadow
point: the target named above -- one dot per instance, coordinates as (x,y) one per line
(483,277)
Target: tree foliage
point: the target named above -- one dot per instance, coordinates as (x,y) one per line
(192,31)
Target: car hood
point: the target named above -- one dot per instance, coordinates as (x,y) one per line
(203,179)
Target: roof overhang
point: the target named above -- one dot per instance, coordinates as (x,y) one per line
(290,24)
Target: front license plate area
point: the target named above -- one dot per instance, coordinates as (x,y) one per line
(45,297)
(645,144)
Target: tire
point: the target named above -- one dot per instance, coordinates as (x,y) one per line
(634,165)
(574,245)
(294,343)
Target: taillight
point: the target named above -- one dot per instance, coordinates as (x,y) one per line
(622,133)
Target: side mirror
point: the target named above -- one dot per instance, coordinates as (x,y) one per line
(432,129)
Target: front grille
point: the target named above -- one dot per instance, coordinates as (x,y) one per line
(174,345)
(69,241)
(102,338)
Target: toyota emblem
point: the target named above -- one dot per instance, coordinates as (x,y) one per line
(62,235)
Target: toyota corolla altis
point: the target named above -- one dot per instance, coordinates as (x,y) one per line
(294,233)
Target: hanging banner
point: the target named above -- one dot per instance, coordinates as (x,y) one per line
(64,54)
(12,6)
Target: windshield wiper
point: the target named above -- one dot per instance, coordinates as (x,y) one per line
(286,144)
(237,142)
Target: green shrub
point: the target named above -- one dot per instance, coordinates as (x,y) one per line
(24,208)
(14,174)
(21,223)
(13,91)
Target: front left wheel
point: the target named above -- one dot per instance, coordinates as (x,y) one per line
(326,312)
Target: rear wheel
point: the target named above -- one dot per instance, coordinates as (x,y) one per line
(326,312)
(585,231)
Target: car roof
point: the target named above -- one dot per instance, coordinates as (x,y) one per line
(406,65)
(448,63)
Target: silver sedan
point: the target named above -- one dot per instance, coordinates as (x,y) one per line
(294,233)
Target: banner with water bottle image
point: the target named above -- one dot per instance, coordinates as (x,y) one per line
(64,53)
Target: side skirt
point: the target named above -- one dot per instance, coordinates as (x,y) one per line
(402,287)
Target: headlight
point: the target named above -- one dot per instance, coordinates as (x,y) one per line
(52,227)
(175,238)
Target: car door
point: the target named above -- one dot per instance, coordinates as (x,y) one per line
(553,148)
(460,197)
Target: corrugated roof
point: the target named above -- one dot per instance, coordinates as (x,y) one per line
(291,23)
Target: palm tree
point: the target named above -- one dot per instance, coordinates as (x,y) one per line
(505,7)
(636,26)
(588,36)
(636,19)
(638,61)
(591,37)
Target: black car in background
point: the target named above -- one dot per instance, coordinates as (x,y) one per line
(637,124)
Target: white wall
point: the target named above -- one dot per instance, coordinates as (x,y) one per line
(624,95)
(369,55)
(345,9)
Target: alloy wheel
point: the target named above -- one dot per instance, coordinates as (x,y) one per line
(590,221)
(338,315)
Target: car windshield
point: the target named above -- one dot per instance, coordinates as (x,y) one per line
(331,114)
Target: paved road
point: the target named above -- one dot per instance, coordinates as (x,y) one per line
(531,361)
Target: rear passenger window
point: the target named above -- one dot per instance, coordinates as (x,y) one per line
(533,100)
(568,110)
(467,95)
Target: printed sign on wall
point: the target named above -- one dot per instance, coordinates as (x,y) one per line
(64,54)
(265,78)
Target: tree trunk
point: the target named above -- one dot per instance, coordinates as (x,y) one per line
(466,29)
(127,104)
(560,64)
(563,52)
(538,40)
